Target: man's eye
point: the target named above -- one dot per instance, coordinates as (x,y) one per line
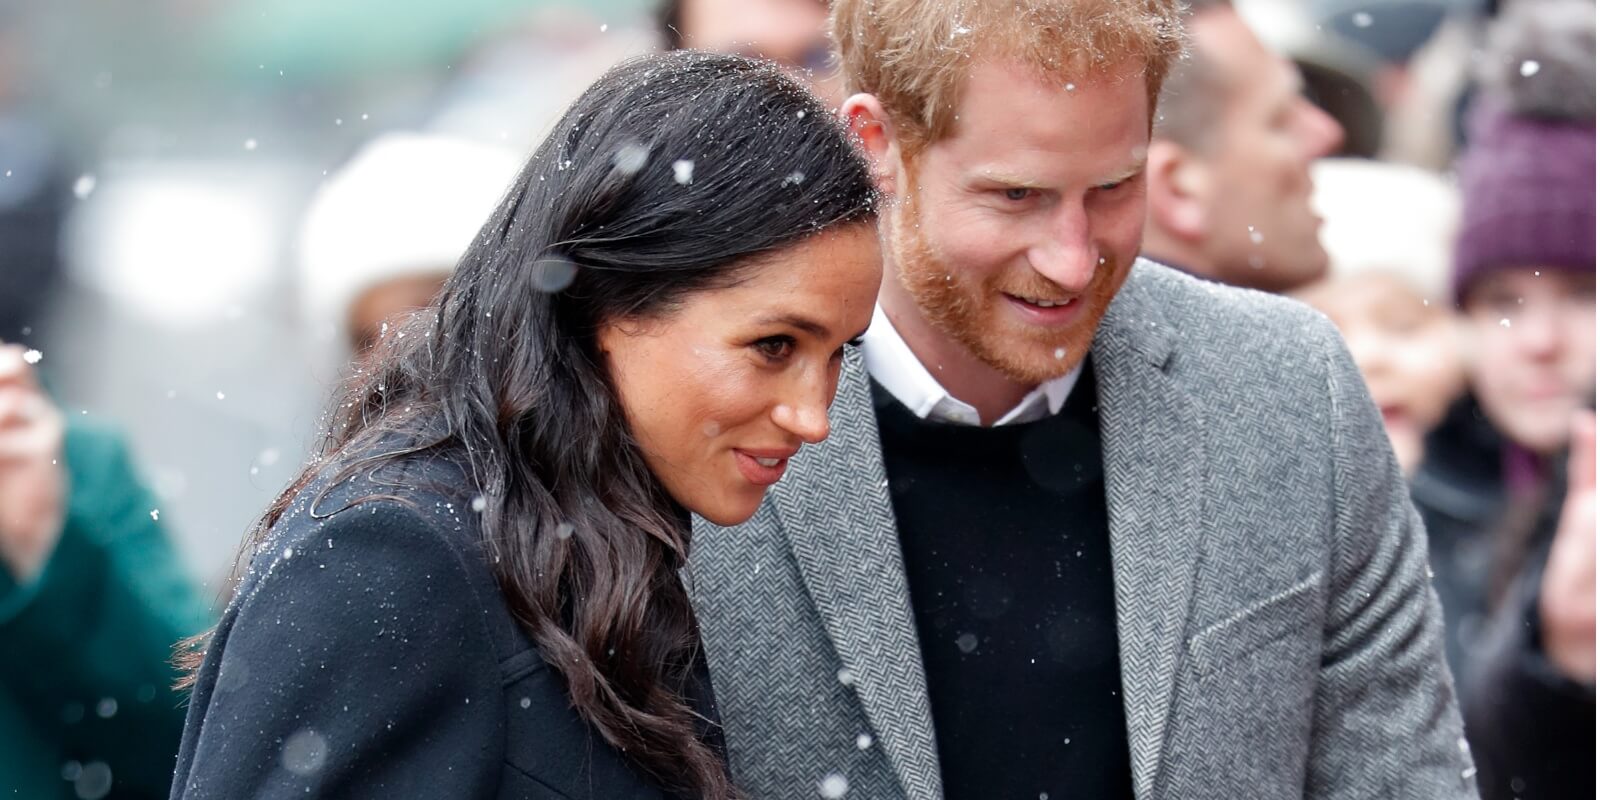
(775,348)
(1016,193)
(1110,187)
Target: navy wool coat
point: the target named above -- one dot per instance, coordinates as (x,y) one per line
(370,654)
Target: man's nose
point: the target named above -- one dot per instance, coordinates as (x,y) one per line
(1320,134)
(1067,256)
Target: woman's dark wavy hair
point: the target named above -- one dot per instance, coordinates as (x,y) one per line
(672,174)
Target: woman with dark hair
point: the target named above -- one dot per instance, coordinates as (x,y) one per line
(476,592)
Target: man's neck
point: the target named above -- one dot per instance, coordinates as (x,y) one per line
(961,374)
(1175,254)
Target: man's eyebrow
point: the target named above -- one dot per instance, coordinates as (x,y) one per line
(1005,178)
(1128,172)
(806,324)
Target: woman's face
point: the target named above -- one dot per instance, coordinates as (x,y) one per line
(1408,349)
(721,390)
(1533,352)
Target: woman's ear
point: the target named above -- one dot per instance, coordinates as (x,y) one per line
(873,129)
(1176,190)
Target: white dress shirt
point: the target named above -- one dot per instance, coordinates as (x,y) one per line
(891,363)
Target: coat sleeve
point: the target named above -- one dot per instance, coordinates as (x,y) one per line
(86,647)
(355,662)
(1532,728)
(1386,723)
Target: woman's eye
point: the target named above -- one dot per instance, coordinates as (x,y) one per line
(1017,194)
(775,348)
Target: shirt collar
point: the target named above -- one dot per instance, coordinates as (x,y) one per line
(891,363)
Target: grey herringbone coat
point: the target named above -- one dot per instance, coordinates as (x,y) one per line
(1278,634)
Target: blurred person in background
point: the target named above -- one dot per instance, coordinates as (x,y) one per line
(1229,195)
(1390,232)
(382,235)
(92,600)
(790,32)
(35,193)
(1525,279)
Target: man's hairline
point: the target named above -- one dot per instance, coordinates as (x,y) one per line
(911,149)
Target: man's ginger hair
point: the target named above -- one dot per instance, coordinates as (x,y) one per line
(915,55)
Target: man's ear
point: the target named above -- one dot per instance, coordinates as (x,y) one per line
(1178,190)
(872,127)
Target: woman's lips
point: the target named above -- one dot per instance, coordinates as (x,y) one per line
(762,467)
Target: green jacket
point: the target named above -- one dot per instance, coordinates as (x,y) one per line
(85,649)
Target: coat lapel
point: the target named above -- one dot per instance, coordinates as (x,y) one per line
(1151,452)
(835,510)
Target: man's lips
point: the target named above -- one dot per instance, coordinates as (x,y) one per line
(763,467)
(1046,311)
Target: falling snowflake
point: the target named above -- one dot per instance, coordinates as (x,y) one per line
(83,186)
(553,273)
(304,752)
(249,144)
(683,171)
(32,356)
(630,159)
(1362,19)
(1530,68)
(834,786)
(155,514)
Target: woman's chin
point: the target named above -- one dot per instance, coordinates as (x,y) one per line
(729,511)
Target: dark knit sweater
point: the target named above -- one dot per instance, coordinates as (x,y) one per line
(1008,559)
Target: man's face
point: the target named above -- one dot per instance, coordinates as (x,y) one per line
(1533,352)
(790,32)
(1262,232)
(1014,232)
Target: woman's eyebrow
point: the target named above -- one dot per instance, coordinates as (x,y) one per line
(806,324)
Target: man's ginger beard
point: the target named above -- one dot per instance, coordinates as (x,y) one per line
(968,310)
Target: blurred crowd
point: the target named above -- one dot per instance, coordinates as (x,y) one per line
(173,310)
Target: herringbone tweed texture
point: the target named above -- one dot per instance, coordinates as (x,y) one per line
(1278,635)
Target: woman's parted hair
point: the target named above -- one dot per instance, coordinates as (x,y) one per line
(670,175)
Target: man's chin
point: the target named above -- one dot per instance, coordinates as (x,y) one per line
(1031,364)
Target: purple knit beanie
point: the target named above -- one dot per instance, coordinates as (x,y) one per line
(1528,195)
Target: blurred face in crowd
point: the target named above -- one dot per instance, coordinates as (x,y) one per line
(790,32)
(1010,236)
(723,390)
(1533,351)
(389,303)
(1409,351)
(1252,178)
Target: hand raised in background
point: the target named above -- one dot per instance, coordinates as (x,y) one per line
(1566,596)
(33,481)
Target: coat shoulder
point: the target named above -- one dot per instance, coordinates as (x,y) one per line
(1213,331)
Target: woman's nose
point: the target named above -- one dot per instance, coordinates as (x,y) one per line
(809,420)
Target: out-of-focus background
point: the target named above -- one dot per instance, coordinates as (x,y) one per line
(158,159)
(208,208)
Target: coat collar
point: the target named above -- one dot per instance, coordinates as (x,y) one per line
(837,516)
(1152,452)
